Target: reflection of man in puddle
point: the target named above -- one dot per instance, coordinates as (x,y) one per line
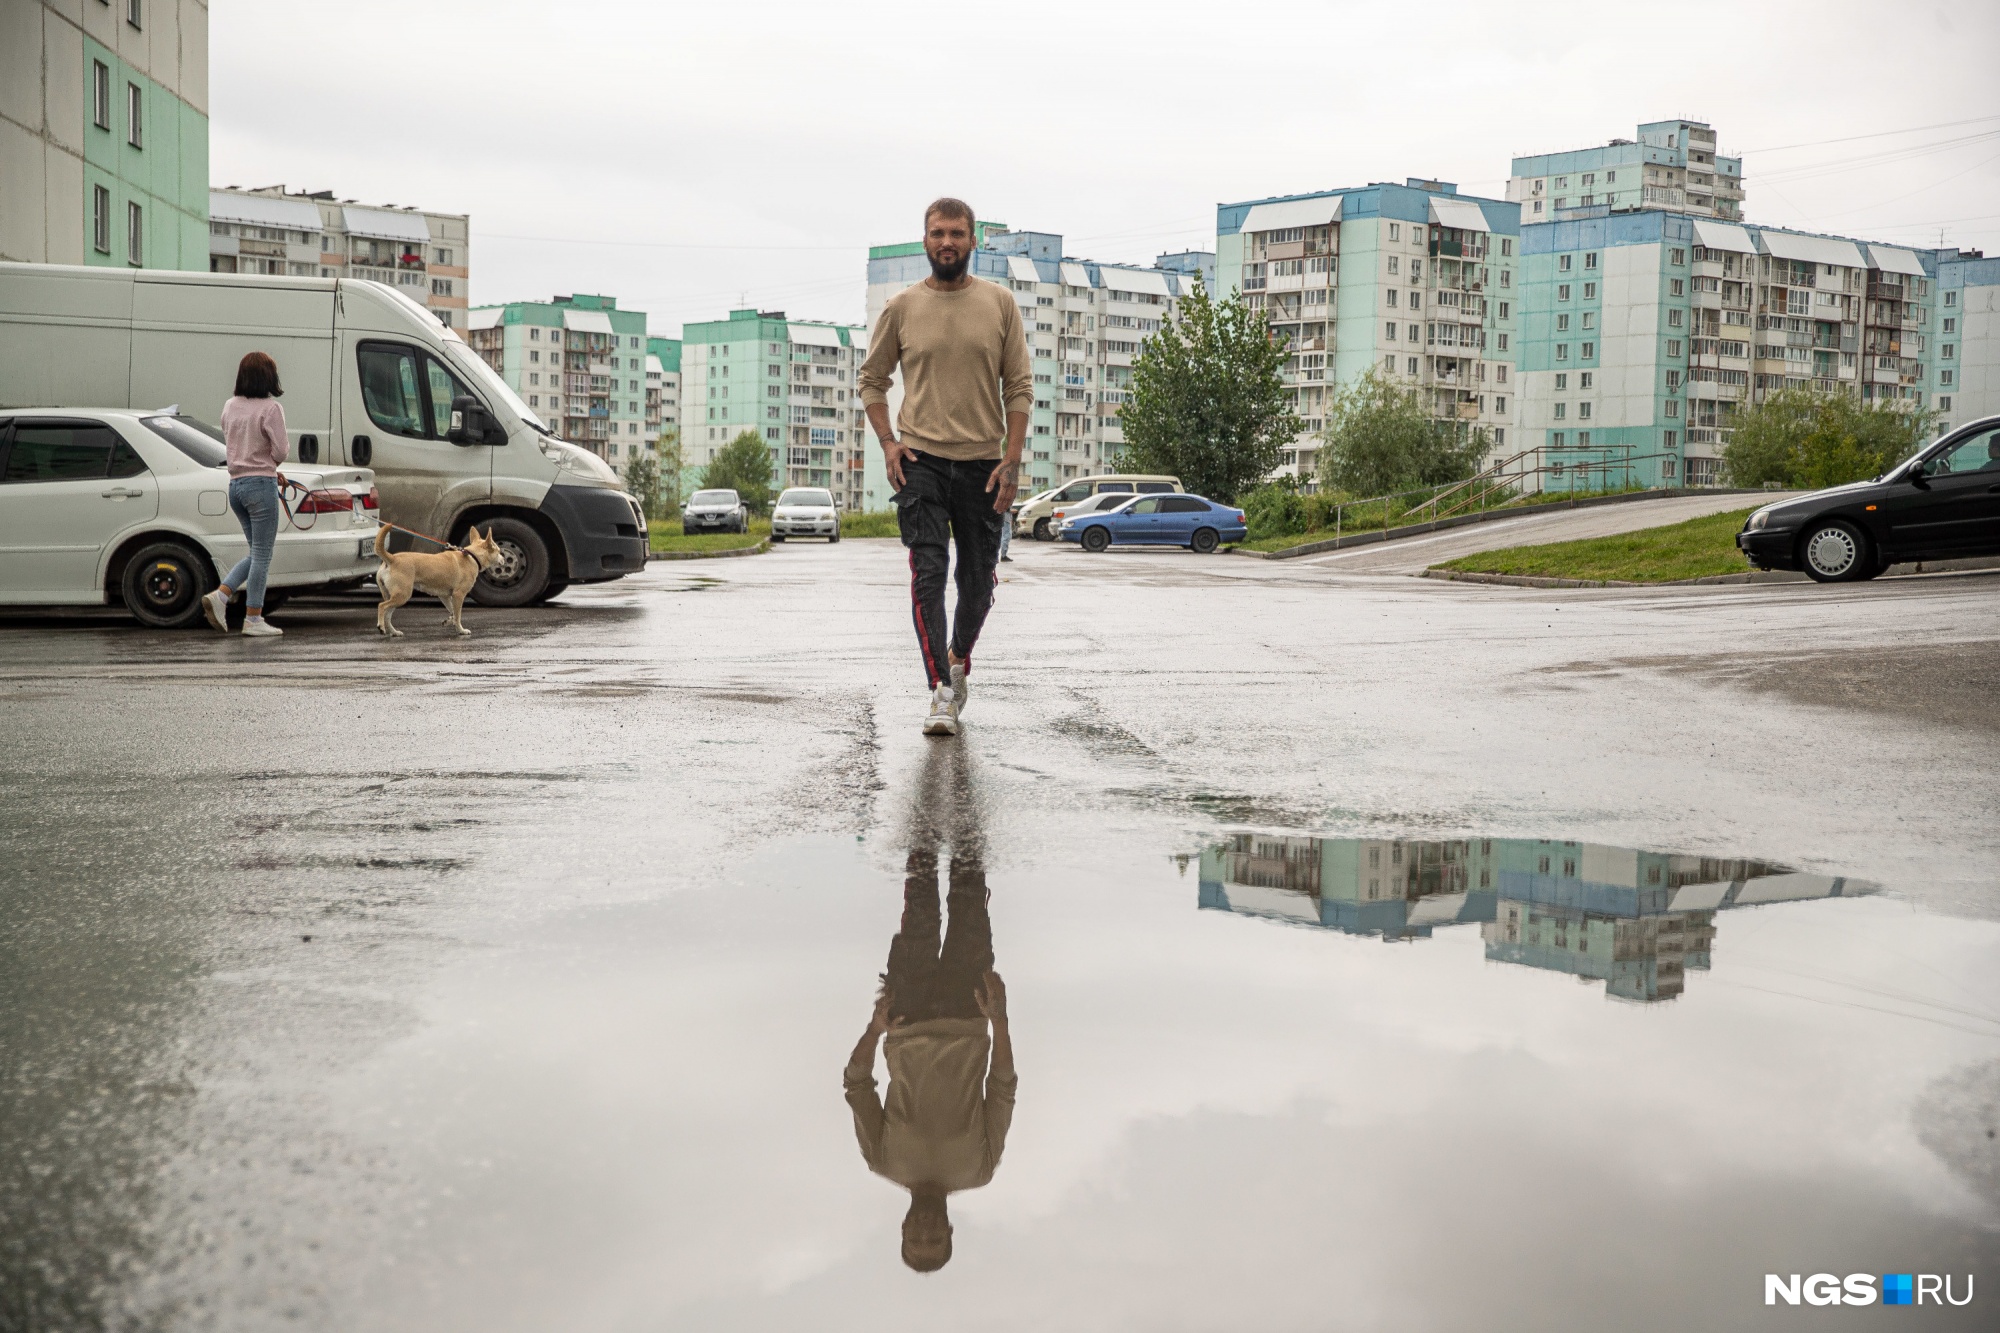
(945,1120)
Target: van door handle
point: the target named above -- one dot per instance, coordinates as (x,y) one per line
(121,493)
(361,451)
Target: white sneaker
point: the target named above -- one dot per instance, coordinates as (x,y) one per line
(943,719)
(216,607)
(256,627)
(959,690)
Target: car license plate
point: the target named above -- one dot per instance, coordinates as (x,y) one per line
(364,548)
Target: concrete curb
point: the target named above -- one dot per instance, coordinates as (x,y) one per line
(758,549)
(1488,516)
(1713,580)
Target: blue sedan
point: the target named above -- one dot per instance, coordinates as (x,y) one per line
(1158,520)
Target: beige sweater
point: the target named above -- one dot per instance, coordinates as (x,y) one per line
(965,366)
(940,1127)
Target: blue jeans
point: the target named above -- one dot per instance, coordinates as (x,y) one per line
(254,501)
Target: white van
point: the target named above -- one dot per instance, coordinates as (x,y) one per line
(371,380)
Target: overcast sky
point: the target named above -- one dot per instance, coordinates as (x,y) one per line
(688,158)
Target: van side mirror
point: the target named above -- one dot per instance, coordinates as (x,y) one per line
(471,423)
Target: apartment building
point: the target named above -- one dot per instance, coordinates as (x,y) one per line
(663,386)
(789,381)
(1645,332)
(578,361)
(1415,280)
(1671,164)
(424,255)
(1085,323)
(104,132)
(1965,374)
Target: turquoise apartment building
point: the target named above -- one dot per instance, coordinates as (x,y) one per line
(1415,280)
(1645,332)
(1965,374)
(789,381)
(1671,164)
(104,134)
(578,361)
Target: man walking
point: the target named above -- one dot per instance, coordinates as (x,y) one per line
(955,453)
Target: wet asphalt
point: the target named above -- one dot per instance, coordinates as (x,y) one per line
(507,982)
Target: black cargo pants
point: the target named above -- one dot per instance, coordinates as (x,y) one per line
(941,503)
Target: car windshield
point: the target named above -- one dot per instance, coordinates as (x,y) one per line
(197,439)
(808,499)
(713,498)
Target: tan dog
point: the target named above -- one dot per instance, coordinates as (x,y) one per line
(448,575)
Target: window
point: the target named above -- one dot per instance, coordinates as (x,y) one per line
(443,257)
(1673,347)
(1589,319)
(440,286)
(1673,380)
(1562,323)
(100,94)
(1673,407)
(1674,320)
(1562,292)
(1562,382)
(1389,331)
(1676,287)
(1947,352)
(1590,178)
(1944,377)
(1555,438)
(1506,247)
(1393,297)
(132,12)
(1589,293)
(534,335)
(1582,442)
(1583,410)
(100,219)
(1413,362)
(1395,265)
(1500,371)
(1562,410)
(1589,350)
(1944,403)
(1590,259)
(60,451)
(1583,381)
(1506,278)
(1950,326)
(1677,256)
(1670,439)
(1610,176)
(1505,309)
(1562,182)
(1410,333)
(135,115)
(1500,403)
(135,234)
(1395,234)
(1951,298)
(1562,351)
(1538,203)
(1562,263)
(1503,347)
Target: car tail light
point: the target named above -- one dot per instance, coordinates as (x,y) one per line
(325,502)
(371,499)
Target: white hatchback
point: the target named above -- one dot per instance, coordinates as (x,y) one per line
(132,509)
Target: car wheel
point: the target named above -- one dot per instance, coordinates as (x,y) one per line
(163,585)
(1043,533)
(775,539)
(1205,540)
(1096,539)
(521,573)
(834,538)
(1836,552)
(552,589)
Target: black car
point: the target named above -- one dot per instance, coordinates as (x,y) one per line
(1943,502)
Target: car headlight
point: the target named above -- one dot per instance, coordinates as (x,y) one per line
(1759,519)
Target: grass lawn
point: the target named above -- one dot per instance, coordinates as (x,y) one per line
(875,523)
(1698,548)
(666,536)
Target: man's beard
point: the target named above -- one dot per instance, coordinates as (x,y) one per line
(953,271)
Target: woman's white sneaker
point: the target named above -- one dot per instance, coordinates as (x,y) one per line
(216,607)
(943,718)
(256,627)
(959,690)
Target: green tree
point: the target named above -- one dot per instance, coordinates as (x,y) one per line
(642,479)
(1208,402)
(744,466)
(1380,438)
(1805,439)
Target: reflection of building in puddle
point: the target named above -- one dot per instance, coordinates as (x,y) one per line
(1637,921)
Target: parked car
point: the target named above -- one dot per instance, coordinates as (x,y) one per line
(130,508)
(1033,518)
(805,511)
(1089,504)
(1942,502)
(715,511)
(1159,520)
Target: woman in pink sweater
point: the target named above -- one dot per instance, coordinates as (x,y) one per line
(253,430)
